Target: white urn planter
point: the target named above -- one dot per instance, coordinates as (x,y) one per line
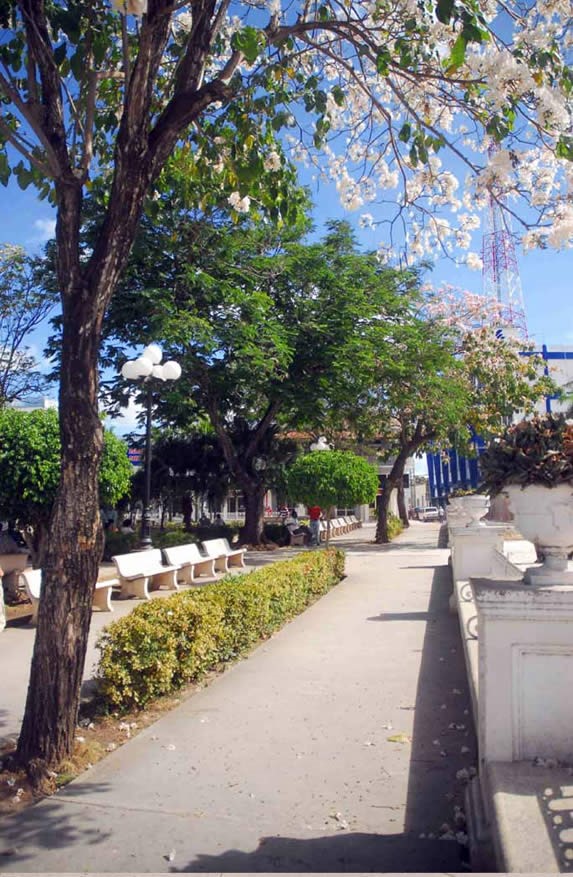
(544,515)
(474,506)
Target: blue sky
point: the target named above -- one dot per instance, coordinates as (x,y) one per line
(546,276)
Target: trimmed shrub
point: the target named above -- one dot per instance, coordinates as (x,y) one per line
(165,643)
(172,536)
(395,525)
(119,543)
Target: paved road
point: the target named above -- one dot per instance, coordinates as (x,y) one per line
(286,762)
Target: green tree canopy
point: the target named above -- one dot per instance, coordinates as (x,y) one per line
(332,478)
(30,459)
(273,334)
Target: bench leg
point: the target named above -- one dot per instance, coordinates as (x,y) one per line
(221,564)
(185,576)
(204,567)
(102,599)
(135,588)
(169,579)
(237,560)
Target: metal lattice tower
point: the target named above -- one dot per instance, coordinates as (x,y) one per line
(501,281)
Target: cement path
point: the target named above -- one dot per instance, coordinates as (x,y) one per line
(286,762)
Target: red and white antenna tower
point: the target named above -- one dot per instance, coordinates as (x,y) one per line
(501,281)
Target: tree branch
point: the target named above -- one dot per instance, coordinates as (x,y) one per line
(17,143)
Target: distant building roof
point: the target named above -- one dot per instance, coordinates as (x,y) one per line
(34,403)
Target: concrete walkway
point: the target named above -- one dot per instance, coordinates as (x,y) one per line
(333,747)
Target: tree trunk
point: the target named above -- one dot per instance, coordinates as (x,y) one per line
(71,555)
(382,535)
(402,510)
(252,532)
(393,481)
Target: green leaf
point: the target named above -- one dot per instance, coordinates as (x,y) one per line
(248,42)
(405,132)
(444,10)
(338,95)
(564,148)
(383,59)
(77,63)
(4,169)
(458,54)
(60,53)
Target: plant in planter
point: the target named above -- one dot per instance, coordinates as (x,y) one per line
(471,503)
(532,465)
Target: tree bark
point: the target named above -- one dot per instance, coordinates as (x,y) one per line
(393,480)
(71,555)
(252,532)
(402,510)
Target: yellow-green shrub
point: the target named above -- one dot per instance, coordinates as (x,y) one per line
(395,525)
(164,643)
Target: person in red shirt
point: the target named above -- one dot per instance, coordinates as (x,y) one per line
(315,514)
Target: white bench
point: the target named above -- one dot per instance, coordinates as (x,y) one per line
(190,561)
(12,563)
(32,579)
(144,571)
(223,555)
(340,526)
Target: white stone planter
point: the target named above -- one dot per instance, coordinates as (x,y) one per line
(544,515)
(474,507)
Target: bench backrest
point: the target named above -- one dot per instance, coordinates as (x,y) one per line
(217,547)
(33,582)
(183,554)
(138,562)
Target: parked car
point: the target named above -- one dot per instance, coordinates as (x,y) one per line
(429,513)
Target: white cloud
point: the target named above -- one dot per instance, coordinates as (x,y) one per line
(45,229)
(126,421)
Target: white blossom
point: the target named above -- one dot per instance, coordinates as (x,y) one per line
(241,205)
(272,162)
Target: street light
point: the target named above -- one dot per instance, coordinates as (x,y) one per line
(146,368)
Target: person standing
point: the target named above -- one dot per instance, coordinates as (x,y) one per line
(315,514)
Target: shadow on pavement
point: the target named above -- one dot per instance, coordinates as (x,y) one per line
(51,826)
(443,740)
(343,852)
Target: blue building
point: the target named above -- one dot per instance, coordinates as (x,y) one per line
(448,470)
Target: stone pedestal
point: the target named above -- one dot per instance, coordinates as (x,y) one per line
(473,550)
(525,670)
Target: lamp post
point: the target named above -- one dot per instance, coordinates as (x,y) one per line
(146,368)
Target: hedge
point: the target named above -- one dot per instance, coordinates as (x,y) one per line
(117,542)
(165,643)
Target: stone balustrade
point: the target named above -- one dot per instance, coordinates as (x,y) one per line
(518,645)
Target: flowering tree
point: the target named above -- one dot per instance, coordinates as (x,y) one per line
(96,98)
(453,376)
